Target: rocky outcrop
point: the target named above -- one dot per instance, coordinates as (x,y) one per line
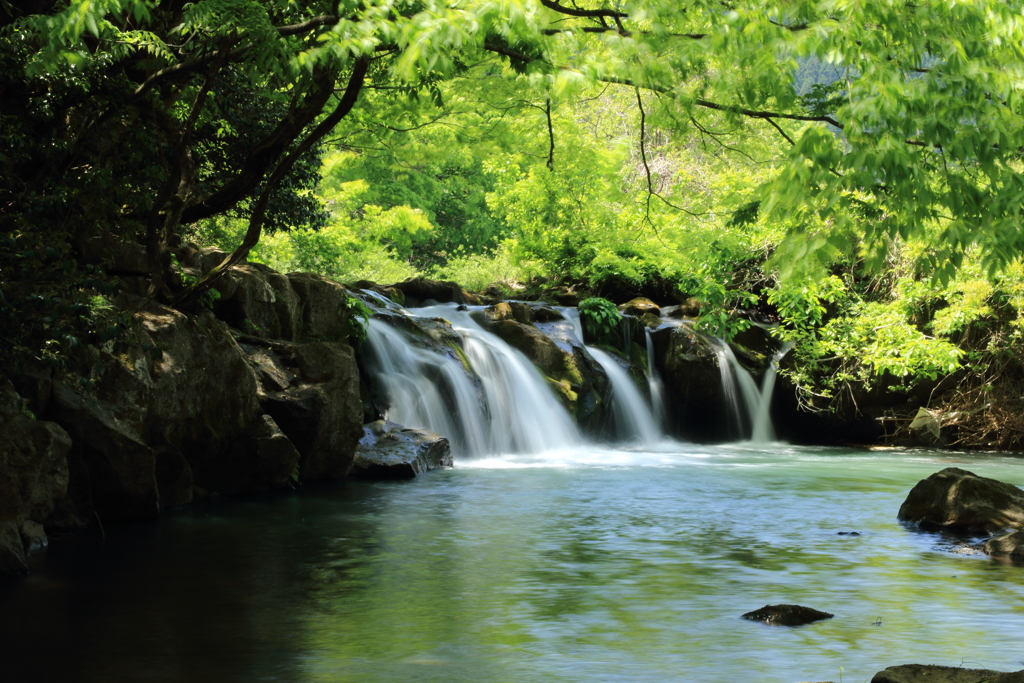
(390,451)
(787,615)
(959,500)
(933,673)
(33,478)
(689,368)
(320,411)
(1009,545)
(419,290)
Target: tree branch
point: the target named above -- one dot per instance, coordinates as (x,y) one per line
(255,228)
(593,13)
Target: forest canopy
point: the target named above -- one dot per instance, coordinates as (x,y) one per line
(849,168)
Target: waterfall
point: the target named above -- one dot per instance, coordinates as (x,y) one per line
(634,420)
(512,410)
(756,400)
(654,383)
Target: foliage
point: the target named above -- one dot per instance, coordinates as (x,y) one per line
(357,319)
(600,318)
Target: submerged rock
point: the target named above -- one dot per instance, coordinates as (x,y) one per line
(1009,545)
(959,500)
(787,615)
(933,673)
(390,451)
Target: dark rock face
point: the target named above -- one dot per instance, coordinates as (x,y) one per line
(932,673)
(693,383)
(321,413)
(421,289)
(1009,545)
(33,478)
(787,615)
(390,451)
(321,307)
(959,500)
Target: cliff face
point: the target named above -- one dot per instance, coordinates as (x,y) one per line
(187,410)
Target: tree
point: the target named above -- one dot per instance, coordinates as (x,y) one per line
(130,104)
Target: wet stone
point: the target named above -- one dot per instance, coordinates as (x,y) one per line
(787,615)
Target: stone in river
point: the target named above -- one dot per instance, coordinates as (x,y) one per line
(787,615)
(932,673)
(390,451)
(959,500)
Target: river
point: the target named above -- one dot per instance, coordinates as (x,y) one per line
(584,565)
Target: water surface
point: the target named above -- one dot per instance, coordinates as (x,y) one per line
(584,565)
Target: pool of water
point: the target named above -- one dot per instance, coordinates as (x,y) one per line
(591,565)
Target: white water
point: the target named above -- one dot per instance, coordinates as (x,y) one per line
(757,401)
(513,411)
(633,418)
(654,383)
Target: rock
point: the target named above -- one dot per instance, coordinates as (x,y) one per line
(13,561)
(321,413)
(690,307)
(322,309)
(420,289)
(959,500)
(546,314)
(112,470)
(933,673)
(787,615)
(390,451)
(492,314)
(248,302)
(542,351)
(640,306)
(262,459)
(33,479)
(649,320)
(1009,545)
(696,405)
(394,295)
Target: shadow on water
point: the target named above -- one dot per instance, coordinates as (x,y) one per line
(587,565)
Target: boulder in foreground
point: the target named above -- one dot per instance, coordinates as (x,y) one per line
(1009,545)
(390,451)
(931,673)
(959,500)
(787,615)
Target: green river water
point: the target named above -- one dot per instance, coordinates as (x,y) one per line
(592,565)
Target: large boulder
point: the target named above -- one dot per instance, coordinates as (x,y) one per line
(168,414)
(320,412)
(112,470)
(33,478)
(959,500)
(390,451)
(1009,545)
(322,307)
(696,404)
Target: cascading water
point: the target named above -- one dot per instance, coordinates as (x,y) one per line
(756,400)
(635,420)
(512,410)
(654,384)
